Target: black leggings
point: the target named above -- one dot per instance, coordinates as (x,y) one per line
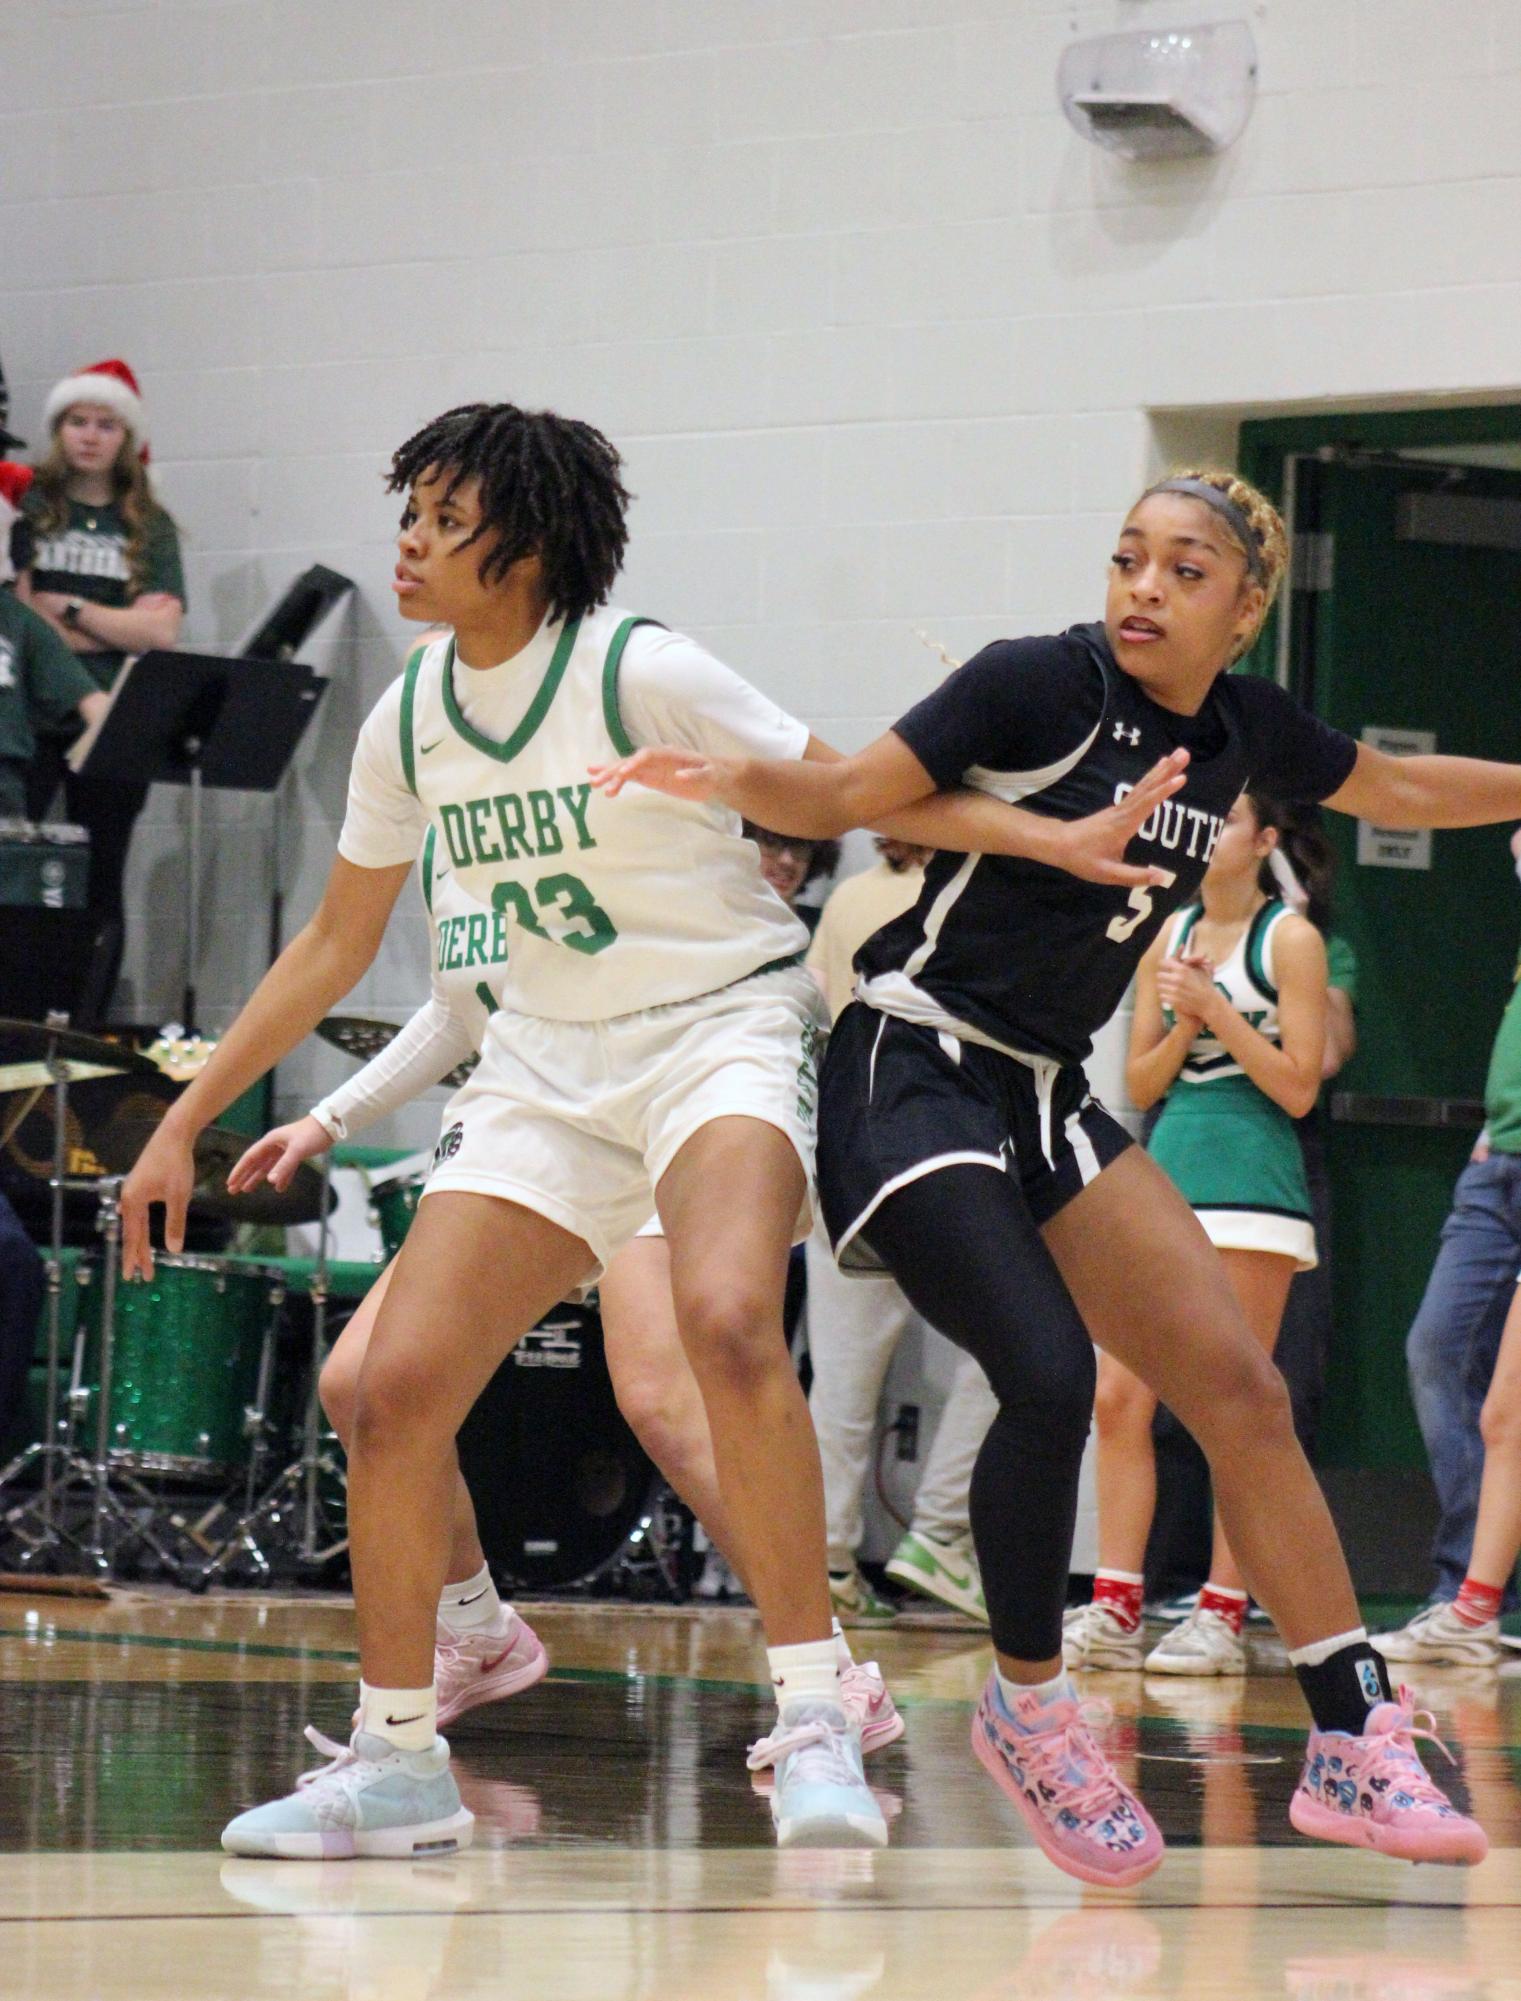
(964,1248)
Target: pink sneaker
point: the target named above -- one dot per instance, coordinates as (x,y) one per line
(472,1668)
(1067,1790)
(867,1702)
(1373,1791)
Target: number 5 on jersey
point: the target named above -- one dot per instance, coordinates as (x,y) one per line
(1120,928)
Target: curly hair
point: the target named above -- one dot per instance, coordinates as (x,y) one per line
(549,487)
(1264,524)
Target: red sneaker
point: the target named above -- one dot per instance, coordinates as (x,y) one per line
(472,1668)
(1373,1791)
(1056,1773)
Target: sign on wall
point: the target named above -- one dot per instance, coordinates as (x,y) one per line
(1395,847)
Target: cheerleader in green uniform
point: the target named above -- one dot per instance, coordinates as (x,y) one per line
(1230,1023)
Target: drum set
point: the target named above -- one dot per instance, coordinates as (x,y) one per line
(181,1433)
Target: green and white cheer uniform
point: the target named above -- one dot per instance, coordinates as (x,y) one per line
(1234,1153)
(642,977)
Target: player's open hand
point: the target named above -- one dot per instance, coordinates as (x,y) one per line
(164,1174)
(276,1157)
(683,774)
(1094,848)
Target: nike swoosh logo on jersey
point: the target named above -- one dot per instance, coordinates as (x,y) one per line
(424,748)
(395,1722)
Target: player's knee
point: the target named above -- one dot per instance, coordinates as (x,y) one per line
(1500,1425)
(391,1405)
(337,1387)
(1241,1398)
(1122,1406)
(733,1334)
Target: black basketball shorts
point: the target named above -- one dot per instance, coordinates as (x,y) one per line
(897,1101)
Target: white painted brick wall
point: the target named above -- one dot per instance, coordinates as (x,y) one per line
(886,345)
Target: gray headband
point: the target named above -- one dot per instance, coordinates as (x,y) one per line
(1228,511)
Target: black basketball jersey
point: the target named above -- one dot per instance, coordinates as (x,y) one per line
(1021,954)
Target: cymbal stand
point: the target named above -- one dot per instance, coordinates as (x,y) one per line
(296,1485)
(54,1448)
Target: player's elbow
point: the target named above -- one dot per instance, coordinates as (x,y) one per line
(1299,1100)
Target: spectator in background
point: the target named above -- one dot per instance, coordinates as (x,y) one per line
(856,1323)
(1456,1335)
(41,682)
(106,575)
(789,865)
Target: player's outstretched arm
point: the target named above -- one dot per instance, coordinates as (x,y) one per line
(886,788)
(313,973)
(1429,791)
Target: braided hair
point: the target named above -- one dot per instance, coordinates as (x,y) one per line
(549,487)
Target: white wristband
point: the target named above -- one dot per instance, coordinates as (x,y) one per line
(330,1121)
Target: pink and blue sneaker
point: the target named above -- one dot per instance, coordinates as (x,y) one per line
(1372,1791)
(1043,1754)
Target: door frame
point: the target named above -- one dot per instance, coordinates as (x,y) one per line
(1266,445)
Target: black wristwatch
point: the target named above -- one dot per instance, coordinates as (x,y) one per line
(71,612)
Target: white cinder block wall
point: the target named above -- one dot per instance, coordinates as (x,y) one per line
(886,345)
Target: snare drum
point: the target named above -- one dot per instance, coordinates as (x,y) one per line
(184,1364)
(393,1201)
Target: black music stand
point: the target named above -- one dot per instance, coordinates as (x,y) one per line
(199,719)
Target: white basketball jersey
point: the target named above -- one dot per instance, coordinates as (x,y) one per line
(576,906)
(1248,981)
(468,944)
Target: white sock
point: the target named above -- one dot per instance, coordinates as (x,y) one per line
(1322,1650)
(472,1607)
(405,1717)
(1057,1689)
(842,1646)
(809,1672)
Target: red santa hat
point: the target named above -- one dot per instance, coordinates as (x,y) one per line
(109,382)
(14,481)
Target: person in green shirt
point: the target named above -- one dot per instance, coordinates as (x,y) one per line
(40,681)
(107,577)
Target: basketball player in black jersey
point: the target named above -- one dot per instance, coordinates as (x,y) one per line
(961,1149)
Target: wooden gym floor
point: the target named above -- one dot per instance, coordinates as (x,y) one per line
(620,1851)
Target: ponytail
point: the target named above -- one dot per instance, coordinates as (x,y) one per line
(1303,855)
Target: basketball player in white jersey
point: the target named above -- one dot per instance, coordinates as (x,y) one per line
(486,1651)
(651,1027)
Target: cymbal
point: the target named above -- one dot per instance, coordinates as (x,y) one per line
(26,1046)
(217,1150)
(362,1036)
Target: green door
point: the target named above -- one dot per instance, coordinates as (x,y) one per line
(1417,628)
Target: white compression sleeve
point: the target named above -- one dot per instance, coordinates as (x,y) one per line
(425,1050)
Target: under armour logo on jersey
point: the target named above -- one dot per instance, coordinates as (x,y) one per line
(1123,735)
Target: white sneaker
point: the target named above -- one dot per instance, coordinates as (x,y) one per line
(1092,1637)
(820,1798)
(1439,1638)
(368,1799)
(1202,1644)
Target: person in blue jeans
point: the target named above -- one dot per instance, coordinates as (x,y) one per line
(1455,1337)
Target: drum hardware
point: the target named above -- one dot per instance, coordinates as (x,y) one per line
(51,1054)
(293,1504)
(362,1036)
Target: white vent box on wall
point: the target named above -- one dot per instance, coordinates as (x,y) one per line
(1160,93)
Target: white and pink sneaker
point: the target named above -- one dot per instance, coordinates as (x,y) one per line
(1373,1791)
(1044,1755)
(476,1667)
(868,1704)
